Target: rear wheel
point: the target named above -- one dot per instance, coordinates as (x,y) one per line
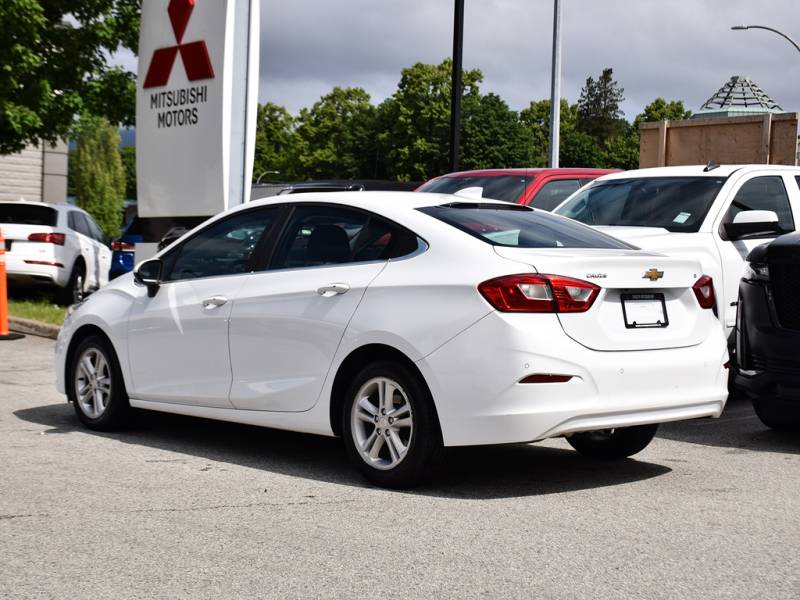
(95,386)
(778,414)
(610,444)
(74,291)
(391,432)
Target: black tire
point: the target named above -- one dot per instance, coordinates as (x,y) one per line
(424,445)
(74,291)
(777,414)
(613,444)
(117,412)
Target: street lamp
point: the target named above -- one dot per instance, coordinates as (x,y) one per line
(555,87)
(456,85)
(266,173)
(780,33)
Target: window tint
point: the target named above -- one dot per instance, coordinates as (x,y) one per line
(763,193)
(521,227)
(27,214)
(508,188)
(224,248)
(325,235)
(77,222)
(674,203)
(95,230)
(554,193)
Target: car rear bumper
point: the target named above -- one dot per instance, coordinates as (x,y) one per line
(21,272)
(475,380)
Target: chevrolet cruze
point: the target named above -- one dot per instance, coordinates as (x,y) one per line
(403,323)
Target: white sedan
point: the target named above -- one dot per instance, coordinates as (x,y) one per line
(54,245)
(403,323)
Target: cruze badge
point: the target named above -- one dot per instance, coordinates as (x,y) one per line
(596,276)
(653,274)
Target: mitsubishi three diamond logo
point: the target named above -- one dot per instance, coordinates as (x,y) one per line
(194,54)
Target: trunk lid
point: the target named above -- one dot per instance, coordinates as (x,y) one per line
(623,278)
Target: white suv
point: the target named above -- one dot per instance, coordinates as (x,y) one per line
(54,245)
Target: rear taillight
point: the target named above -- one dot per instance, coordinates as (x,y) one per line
(120,246)
(48,238)
(539,293)
(704,290)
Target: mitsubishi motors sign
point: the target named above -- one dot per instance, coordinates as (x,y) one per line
(196,105)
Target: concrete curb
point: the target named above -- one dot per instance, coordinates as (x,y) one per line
(30,327)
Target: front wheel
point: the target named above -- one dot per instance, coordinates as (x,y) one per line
(391,432)
(95,386)
(611,444)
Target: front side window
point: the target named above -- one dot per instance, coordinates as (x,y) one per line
(225,248)
(77,222)
(519,227)
(763,193)
(678,204)
(327,235)
(508,188)
(554,193)
(95,230)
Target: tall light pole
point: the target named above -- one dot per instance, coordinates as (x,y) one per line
(780,33)
(455,92)
(555,87)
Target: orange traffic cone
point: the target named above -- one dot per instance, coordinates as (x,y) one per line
(4,333)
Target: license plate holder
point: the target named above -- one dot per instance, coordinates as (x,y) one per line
(642,311)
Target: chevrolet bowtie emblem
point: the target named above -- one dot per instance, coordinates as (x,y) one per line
(653,274)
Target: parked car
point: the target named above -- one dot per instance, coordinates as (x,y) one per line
(54,245)
(266,190)
(141,230)
(342,314)
(768,332)
(541,188)
(715,214)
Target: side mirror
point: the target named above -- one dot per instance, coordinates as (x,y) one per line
(148,273)
(750,222)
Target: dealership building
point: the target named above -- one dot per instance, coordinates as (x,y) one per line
(37,174)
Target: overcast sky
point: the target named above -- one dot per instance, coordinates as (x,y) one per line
(677,49)
(682,49)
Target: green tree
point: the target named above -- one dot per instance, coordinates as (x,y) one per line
(128,156)
(98,172)
(493,135)
(414,123)
(275,142)
(659,110)
(576,148)
(333,136)
(54,64)
(599,113)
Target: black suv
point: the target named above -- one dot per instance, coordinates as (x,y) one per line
(768,332)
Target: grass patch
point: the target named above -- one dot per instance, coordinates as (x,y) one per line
(38,310)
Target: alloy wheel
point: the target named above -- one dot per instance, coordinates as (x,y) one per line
(93,382)
(382,423)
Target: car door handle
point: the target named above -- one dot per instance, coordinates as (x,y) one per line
(333,289)
(214,302)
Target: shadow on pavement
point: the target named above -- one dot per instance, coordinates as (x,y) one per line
(471,473)
(738,428)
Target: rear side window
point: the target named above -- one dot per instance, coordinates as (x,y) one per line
(27,214)
(554,193)
(519,227)
(763,193)
(508,188)
(326,235)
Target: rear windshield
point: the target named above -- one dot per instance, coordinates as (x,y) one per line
(26,214)
(675,203)
(521,227)
(508,188)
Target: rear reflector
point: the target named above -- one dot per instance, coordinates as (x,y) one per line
(44,262)
(704,290)
(536,293)
(48,238)
(546,378)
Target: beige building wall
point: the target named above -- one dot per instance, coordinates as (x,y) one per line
(37,174)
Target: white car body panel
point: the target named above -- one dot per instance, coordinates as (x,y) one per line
(721,259)
(287,342)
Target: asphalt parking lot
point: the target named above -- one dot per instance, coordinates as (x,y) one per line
(185,508)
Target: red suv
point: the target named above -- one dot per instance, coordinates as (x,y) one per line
(540,188)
